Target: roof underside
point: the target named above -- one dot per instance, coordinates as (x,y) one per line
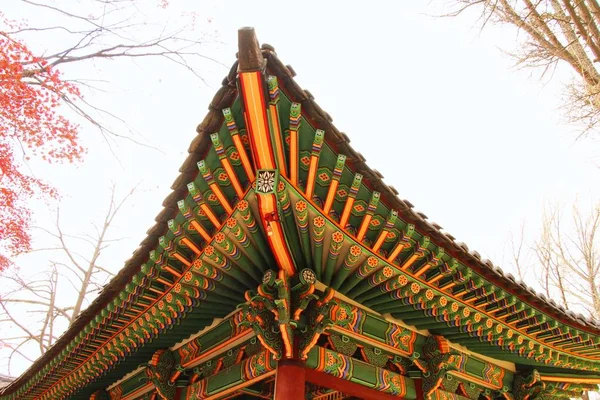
(209,246)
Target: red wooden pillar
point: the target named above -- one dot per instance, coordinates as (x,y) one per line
(290,380)
(419,388)
(180,392)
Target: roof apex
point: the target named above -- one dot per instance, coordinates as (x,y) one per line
(249,54)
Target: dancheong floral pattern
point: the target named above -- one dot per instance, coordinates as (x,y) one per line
(265,181)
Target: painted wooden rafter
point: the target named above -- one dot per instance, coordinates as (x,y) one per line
(186,211)
(383,235)
(294,126)
(314,163)
(210,180)
(335,181)
(199,199)
(433,262)
(252,88)
(220,150)
(277,134)
(420,250)
(239,145)
(373,203)
(350,200)
(403,243)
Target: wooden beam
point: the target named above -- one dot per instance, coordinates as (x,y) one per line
(252,92)
(346,387)
(571,379)
(419,388)
(143,390)
(289,381)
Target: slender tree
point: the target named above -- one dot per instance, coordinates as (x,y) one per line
(568,252)
(564,260)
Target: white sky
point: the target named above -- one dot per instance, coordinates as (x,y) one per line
(432,103)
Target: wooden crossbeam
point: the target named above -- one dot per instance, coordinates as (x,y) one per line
(347,387)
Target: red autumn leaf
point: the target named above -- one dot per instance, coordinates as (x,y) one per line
(30,126)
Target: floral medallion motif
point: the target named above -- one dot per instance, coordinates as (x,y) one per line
(266,181)
(319,222)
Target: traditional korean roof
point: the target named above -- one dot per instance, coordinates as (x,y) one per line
(231,219)
(5,380)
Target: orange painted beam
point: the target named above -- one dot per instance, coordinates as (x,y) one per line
(239,145)
(191,246)
(201,230)
(252,92)
(216,189)
(231,174)
(350,200)
(346,387)
(295,118)
(314,162)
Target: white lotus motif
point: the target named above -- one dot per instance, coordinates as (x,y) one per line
(265,182)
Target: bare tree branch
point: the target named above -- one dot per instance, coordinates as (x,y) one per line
(566,31)
(30,311)
(98,32)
